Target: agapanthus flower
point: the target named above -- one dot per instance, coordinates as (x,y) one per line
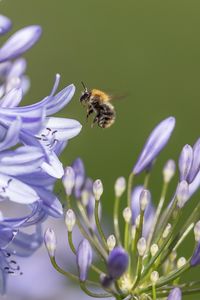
(31,140)
(144,261)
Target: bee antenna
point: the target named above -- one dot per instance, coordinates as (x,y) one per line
(84,86)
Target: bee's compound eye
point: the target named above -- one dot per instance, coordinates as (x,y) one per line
(84,96)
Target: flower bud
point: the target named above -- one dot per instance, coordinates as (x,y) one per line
(68,180)
(141,246)
(106,281)
(118,261)
(175,294)
(145,198)
(127,214)
(181,262)
(154,144)
(154,249)
(70,220)
(85,197)
(185,162)
(50,241)
(167,231)
(83,259)
(182,193)
(5,24)
(111,242)
(169,170)
(154,277)
(197,231)
(137,221)
(195,260)
(97,189)
(120,186)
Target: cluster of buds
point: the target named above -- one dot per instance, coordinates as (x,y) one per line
(140,260)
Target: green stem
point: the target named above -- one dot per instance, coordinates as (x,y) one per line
(116,220)
(129,188)
(157,215)
(71,244)
(167,279)
(93,239)
(99,228)
(92,294)
(154,291)
(68,274)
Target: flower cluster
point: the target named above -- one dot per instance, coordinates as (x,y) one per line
(144,260)
(30,143)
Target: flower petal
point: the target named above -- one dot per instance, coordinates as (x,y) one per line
(12,98)
(23,160)
(18,68)
(65,128)
(53,167)
(154,144)
(196,162)
(11,136)
(20,42)
(16,191)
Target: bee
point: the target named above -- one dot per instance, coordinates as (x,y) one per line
(98,102)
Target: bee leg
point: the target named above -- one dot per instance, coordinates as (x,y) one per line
(89,112)
(96,120)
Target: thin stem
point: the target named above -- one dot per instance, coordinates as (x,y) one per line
(116,220)
(71,244)
(68,201)
(129,188)
(167,279)
(93,239)
(154,291)
(68,274)
(138,273)
(157,215)
(92,294)
(99,228)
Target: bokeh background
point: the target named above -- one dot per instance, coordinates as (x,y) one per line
(147,50)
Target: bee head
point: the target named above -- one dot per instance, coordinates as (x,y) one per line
(85,94)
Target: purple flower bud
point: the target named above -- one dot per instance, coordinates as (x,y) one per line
(79,171)
(5,24)
(175,294)
(185,162)
(195,167)
(106,281)
(83,259)
(117,262)
(20,42)
(195,260)
(154,144)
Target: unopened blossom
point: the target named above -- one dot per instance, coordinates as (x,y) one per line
(84,259)
(5,24)
(154,144)
(175,294)
(117,262)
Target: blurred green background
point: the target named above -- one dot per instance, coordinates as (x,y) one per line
(148,50)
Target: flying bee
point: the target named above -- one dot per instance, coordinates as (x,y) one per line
(98,102)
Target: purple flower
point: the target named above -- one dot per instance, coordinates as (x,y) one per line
(195,260)
(83,259)
(117,262)
(135,209)
(5,24)
(154,144)
(20,42)
(79,171)
(175,294)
